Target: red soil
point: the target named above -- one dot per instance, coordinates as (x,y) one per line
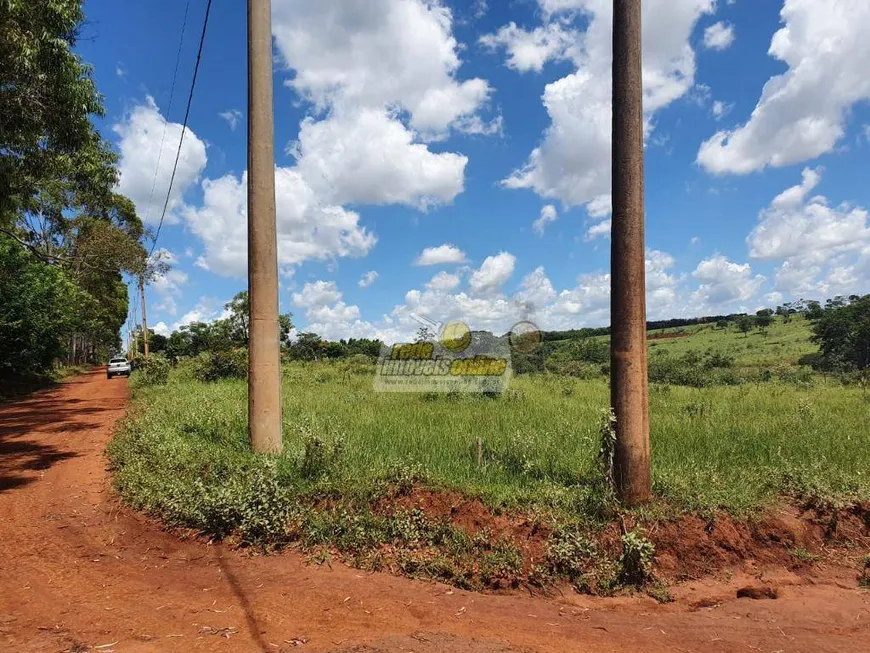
(666,335)
(79,572)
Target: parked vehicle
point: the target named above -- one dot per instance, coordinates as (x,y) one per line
(118,366)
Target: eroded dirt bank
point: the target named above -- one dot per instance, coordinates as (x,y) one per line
(77,572)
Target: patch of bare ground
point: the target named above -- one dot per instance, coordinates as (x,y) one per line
(81,573)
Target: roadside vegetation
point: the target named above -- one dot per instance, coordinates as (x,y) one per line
(66,237)
(739,425)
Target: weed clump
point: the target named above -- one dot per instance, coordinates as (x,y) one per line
(572,554)
(637,559)
(153,370)
(217,365)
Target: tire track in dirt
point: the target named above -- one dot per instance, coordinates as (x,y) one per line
(78,571)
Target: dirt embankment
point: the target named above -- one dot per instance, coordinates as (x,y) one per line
(79,572)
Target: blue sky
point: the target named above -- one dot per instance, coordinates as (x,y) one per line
(452,158)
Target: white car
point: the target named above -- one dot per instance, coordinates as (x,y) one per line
(118,366)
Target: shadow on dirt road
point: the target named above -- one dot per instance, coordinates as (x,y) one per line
(79,572)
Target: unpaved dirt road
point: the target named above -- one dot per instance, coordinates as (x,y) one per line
(80,573)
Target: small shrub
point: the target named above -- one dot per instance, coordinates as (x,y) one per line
(696,409)
(806,410)
(320,456)
(569,553)
(719,360)
(572,554)
(254,505)
(217,365)
(693,369)
(533,455)
(404,474)
(153,370)
(411,528)
(637,559)
(864,579)
(358,364)
(607,448)
(804,554)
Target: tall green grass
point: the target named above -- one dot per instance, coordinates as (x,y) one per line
(783,343)
(735,448)
(182,454)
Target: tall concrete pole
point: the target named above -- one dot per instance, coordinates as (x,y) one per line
(144,318)
(264,349)
(628,355)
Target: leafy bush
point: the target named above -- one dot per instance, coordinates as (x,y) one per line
(320,456)
(216,365)
(718,359)
(254,505)
(571,553)
(361,364)
(693,369)
(843,334)
(557,364)
(682,370)
(637,559)
(153,370)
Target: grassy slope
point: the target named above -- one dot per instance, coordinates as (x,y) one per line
(183,455)
(733,447)
(782,344)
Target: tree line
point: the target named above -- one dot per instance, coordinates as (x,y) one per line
(66,237)
(231,333)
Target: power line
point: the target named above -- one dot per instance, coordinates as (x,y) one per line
(168,110)
(163,140)
(184,125)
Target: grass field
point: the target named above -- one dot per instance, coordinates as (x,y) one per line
(781,344)
(183,453)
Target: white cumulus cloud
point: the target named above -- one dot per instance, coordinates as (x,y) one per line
(725,282)
(493,272)
(369,157)
(377,53)
(719,36)
(531,49)
(368,279)
(572,163)
(444,299)
(307,228)
(824,249)
(316,294)
(548,215)
(141,133)
(803,112)
(443,281)
(440,255)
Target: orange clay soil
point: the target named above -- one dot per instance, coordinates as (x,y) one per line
(78,572)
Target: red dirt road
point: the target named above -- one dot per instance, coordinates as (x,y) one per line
(80,573)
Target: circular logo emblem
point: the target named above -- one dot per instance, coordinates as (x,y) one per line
(456,336)
(525,337)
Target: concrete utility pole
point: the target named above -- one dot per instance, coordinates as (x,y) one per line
(264,348)
(628,355)
(144,318)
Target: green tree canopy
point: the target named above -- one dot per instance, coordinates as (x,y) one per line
(66,236)
(843,334)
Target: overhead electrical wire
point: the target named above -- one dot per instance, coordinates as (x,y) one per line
(184,125)
(160,151)
(168,111)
